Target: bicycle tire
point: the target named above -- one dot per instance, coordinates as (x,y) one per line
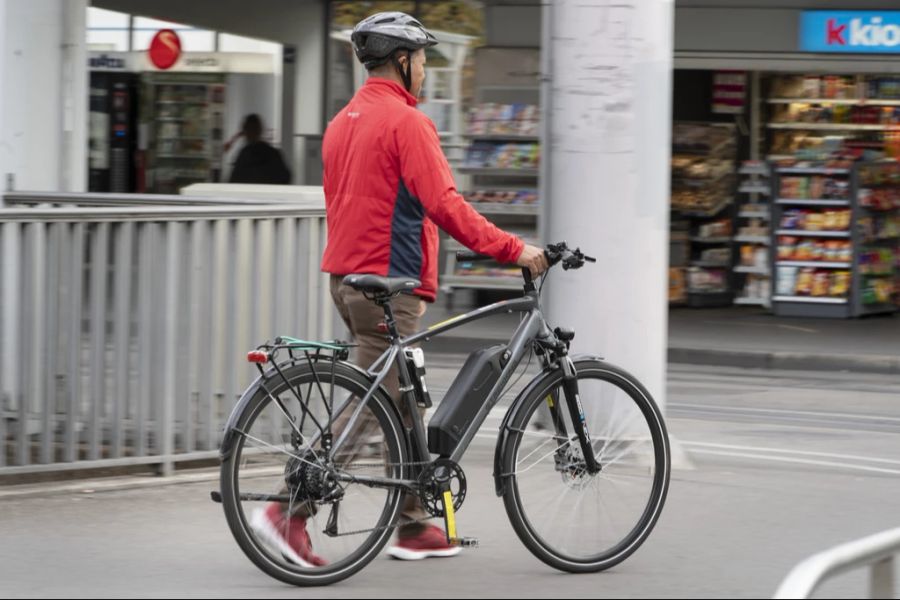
(353,382)
(522,411)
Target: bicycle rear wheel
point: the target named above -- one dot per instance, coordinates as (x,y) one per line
(570,519)
(278,480)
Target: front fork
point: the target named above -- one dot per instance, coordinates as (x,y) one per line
(576,414)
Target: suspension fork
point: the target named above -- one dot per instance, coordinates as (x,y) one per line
(576,413)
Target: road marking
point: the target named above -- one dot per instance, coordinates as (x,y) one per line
(794,452)
(782,411)
(786,459)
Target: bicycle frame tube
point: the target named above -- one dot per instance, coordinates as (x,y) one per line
(531,327)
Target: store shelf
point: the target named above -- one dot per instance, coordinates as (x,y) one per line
(712,240)
(812,171)
(843,101)
(751,270)
(752,301)
(498,172)
(174,119)
(804,233)
(817,264)
(702,151)
(482,282)
(810,299)
(184,102)
(184,156)
(705,264)
(754,214)
(501,137)
(705,214)
(752,239)
(755,189)
(811,202)
(499,208)
(835,126)
(181,138)
(761,170)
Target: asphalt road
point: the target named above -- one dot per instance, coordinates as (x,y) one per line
(771,467)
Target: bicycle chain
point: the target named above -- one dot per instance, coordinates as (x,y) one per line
(383,527)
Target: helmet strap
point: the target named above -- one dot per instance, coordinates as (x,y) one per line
(407,74)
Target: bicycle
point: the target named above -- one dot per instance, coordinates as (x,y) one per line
(317,434)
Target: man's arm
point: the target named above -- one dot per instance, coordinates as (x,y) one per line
(428,177)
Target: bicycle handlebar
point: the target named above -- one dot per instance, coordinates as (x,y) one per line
(555,253)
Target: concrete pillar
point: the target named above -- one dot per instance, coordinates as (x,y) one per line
(605,175)
(43,125)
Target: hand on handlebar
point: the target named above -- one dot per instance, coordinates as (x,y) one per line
(534,259)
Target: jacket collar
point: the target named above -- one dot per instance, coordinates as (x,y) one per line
(393,88)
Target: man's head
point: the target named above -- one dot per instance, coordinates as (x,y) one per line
(252,128)
(392,45)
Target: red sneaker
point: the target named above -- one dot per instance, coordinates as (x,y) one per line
(288,536)
(430,543)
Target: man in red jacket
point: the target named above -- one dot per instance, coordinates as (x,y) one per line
(388,187)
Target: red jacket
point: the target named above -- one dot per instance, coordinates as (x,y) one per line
(387,183)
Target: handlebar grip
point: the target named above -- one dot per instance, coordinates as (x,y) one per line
(469,256)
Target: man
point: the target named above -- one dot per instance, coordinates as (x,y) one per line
(258,161)
(388,187)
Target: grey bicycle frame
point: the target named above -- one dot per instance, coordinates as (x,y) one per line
(532,327)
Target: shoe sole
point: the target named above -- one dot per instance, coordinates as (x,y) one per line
(407,554)
(267,532)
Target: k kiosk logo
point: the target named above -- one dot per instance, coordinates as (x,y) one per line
(850,31)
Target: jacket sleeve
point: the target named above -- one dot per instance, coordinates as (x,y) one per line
(427,175)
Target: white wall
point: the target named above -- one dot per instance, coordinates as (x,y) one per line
(43,80)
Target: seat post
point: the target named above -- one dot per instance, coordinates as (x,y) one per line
(389,317)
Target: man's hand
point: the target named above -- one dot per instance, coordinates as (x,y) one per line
(533,258)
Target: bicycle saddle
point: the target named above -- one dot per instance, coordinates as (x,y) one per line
(375,284)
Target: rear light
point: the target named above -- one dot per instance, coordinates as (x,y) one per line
(382,327)
(258,356)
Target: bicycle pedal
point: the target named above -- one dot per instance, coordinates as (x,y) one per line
(466,542)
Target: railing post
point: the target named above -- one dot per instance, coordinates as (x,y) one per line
(882,578)
(170,347)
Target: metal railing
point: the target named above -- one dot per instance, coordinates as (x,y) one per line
(124,331)
(875,552)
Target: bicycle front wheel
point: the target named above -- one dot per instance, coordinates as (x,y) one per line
(569,518)
(297,511)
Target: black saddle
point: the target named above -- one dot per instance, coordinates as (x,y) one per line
(381,286)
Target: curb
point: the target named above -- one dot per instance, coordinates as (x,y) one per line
(98,486)
(788,361)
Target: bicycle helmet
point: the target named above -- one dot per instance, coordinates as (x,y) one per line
(376,38)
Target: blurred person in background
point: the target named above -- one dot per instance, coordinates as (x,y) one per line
(258,161)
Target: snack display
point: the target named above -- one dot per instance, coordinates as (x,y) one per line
(526,196)
(816,220)
(503,156)
(503,119)
(816,186)
(792,248)
(814,283)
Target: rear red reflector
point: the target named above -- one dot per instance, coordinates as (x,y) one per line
(258,356)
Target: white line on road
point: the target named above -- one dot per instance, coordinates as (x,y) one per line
(791,452)
(782,411)
(786,459)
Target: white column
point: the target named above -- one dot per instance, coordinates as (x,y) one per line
(74,79)
(607,108)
